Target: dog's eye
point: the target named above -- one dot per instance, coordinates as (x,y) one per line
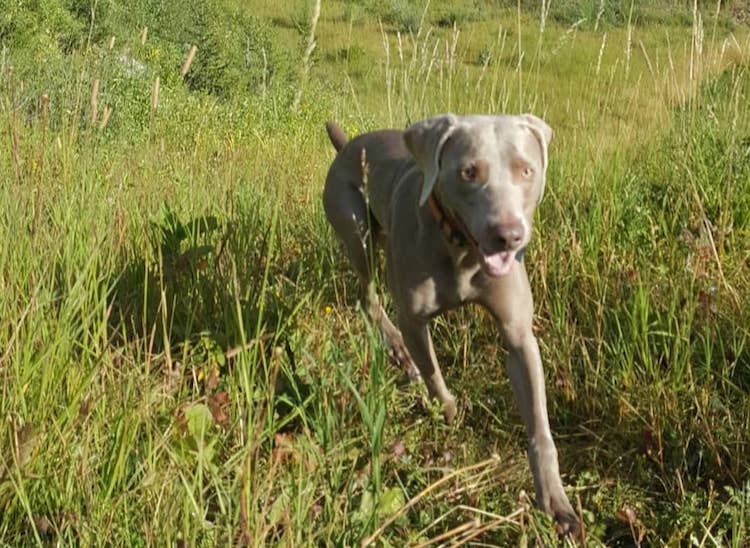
(522,171)
(469,173)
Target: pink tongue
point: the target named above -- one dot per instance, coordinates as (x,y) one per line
(498,264)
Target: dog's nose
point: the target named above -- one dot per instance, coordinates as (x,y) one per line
(508,236)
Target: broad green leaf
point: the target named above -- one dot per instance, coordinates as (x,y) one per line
(199,420)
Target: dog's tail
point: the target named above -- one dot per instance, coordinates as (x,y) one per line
(336,135)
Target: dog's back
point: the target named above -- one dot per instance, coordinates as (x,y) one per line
(384,156)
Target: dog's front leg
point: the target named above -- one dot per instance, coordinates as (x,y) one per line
(416,335)
(527,378)
(510,302)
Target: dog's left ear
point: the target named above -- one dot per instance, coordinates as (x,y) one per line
(543,134)
(425,141)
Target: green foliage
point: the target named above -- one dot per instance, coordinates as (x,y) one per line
(235,56)
(40,26)
(453,14)
(601,12)
(404,15)
(199,421)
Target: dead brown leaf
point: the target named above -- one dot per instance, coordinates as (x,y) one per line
(218,404)
(626,515)
(212,381)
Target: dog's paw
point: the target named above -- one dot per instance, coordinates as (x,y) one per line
(450,410)
(412,372)
(399,356)
(566,520)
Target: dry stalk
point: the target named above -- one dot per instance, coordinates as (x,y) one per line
(460,529)
(232,352)
(44,104)
(94,101)
(155,95)
(599,15)
(424,492)
(188,60)
(105,117)
(601,54)
(14,138)
(474,533)
(306,57)
(264,82)
(165,334)
(647,58)
(388,76)
(629,42)
(579,507)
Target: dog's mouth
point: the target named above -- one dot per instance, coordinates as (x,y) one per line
(497,264)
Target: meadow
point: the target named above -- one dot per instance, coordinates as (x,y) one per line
(182,358)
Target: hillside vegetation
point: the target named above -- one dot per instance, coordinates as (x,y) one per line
(182,360)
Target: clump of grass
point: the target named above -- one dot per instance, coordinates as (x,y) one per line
(405,16)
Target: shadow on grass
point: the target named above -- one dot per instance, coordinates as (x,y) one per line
(203,290)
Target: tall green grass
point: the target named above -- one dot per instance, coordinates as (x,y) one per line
(181,355)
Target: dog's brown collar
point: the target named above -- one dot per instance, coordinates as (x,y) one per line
(454,229)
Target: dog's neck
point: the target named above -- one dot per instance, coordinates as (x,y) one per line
(452,227)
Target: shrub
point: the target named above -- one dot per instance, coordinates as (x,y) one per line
(39,26)
(235,54)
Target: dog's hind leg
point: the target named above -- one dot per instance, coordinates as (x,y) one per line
(350,218)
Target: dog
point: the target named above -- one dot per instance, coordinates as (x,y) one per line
(451,201)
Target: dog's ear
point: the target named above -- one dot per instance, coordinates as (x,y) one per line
(543,134)
(425,141)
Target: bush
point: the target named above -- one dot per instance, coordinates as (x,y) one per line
(231,43)
(405,15)
(607,12)
(457,14)
(39,26)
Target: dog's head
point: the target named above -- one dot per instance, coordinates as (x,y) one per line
(489,171)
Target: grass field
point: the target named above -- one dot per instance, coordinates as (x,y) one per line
(182,361)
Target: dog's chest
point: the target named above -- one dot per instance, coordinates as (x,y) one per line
(450,286)
(467,281)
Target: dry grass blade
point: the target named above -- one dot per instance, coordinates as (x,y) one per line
(94,101)
(232,352)
(469,525)
(579,508)
(474,533)
(188,60)
(155,95)
(492,461)
(472,529)
(307,57)
(105,117)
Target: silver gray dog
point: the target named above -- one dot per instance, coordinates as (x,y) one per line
(452,200)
